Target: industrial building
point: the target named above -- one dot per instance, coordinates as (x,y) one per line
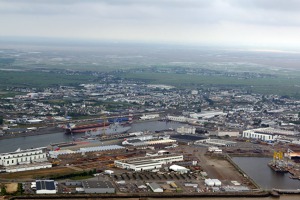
(55,154)
(20,157)
(146,117)
(267,134)
(155,187)
(147,163)
(186,130)
(177,118)
(92,187)
(146,140)
(212,182)
(207,114)
(45,187)
(179,169)
(216,142)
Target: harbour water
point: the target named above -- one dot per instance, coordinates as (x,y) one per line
(263,175)
(12,144)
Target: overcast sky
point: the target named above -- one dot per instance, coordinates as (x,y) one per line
(264,23)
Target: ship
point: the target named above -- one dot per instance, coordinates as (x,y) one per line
(73,128)
(112,129)
(278,168)
(278,164)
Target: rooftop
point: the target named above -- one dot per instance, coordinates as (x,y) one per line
(97,184)
(45,185)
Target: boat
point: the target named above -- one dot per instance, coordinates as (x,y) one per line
(73,128)
(278,168)
(278,164)
(112,129)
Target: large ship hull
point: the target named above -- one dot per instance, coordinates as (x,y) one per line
(85,128)
(110,130)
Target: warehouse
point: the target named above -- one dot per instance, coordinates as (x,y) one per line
(45,187)
(91,187)
(147,163)
(267,134)
(20,157)
(179,169)
(155,187)
(216,142)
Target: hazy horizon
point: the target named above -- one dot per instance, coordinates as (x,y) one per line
(262,24)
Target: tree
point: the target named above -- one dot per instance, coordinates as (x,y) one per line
(3,190)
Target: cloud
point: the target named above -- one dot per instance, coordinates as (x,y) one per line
(219,21)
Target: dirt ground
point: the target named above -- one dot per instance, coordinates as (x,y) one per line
(11,187)
(215,166)
(33,174)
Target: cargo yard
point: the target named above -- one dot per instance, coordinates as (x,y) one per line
(206,170)
(151,152)
(146,162)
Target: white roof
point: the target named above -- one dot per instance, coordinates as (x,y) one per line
(177,168)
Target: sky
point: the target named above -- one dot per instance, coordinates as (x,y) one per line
(261,23)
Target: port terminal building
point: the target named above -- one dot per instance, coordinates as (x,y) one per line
(215,142)
(267,134)
(23,156)
(24,160)
(148,162)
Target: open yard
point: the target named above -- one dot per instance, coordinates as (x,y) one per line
(33,174)
(11,187)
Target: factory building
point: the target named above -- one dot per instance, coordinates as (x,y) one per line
(155,187)
(186,130)
(23,157)
(146,140)
(267,134)
(216,142)
(92,187)
(179,169)
(147,117)
(177,118)
(45,187)
(147,163)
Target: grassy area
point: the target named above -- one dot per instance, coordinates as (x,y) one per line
(81,177)
(5,94)
(281,85)
(39,79)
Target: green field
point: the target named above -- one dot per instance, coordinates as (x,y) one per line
(39,79)
(281,85)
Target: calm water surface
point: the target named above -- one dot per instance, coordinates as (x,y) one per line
(263,175)
(13,144)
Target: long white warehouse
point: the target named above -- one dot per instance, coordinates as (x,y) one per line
(266,134)
(23,157)
(147,163)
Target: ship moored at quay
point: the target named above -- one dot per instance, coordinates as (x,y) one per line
(93,127)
